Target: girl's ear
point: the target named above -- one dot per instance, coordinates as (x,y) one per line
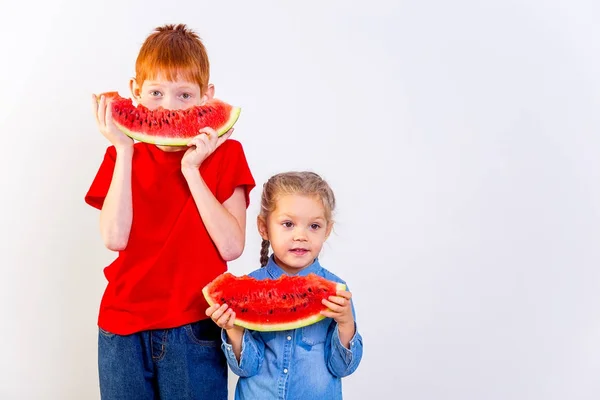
(329,229)
(135,89)
(262,227)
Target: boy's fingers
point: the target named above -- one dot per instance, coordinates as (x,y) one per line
(102,111)
(95,106)
(224,137)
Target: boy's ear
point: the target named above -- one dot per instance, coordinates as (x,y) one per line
(135,89)
(209,94)
(262,227)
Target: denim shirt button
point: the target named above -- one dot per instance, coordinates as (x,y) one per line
(289,338)
(285,371)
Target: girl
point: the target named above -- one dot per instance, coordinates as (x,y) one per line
(305,363)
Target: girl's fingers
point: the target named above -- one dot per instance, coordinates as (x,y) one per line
(345,294)
(342,301)
(210,310)
(231,319)
(225,318)
(332,306)
(219,312)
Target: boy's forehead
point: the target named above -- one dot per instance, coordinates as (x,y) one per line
(174,79)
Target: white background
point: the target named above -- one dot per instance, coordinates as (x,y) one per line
(461,140)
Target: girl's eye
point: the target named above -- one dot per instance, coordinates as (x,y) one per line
(315,226)
(287,224)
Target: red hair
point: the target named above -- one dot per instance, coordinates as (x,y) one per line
(175,51)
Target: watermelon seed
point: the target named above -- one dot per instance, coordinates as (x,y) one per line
(309,289)
(270,311)
(294,309)
(284,297)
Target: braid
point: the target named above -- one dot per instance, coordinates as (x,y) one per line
(264,252)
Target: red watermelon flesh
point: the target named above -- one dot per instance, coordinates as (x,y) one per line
(170,127)
(288,302)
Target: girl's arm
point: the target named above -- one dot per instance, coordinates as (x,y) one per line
(342,360)
(244,351)
(344,344)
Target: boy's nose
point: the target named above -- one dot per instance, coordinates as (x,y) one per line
(170,103)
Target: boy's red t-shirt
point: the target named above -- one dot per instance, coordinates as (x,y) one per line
(157,281)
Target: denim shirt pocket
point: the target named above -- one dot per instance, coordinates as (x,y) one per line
(316,333)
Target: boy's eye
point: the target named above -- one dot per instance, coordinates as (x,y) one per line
(287,224)
(155,93)
(315,226)
(186,96)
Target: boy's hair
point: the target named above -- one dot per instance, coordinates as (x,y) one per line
(303,183)
(173,50)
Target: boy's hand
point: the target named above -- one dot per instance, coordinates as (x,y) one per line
(106,125)
(340,308)
(202,146)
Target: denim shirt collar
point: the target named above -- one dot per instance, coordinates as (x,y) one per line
(275,270)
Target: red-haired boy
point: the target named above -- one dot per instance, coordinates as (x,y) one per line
(176,215)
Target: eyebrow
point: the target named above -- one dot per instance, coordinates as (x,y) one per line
(319,218)
(184,86)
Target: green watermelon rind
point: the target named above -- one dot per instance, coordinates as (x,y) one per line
(165,141)
(273,327)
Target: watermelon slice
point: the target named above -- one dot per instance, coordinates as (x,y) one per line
(288,302)
(170,127)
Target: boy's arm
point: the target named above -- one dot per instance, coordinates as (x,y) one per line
(225,223)
(117,212)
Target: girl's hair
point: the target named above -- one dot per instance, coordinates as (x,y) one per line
(295,182)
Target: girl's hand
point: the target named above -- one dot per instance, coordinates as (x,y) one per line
(222,315)
(202,146)
(340,308)
(107,127)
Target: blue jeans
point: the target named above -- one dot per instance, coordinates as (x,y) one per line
(180,364)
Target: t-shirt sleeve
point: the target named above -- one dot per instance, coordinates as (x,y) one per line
(234,172)
(99,187)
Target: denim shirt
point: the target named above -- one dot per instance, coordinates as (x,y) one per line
(304,363)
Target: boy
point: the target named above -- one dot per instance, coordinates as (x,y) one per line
(176,215)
